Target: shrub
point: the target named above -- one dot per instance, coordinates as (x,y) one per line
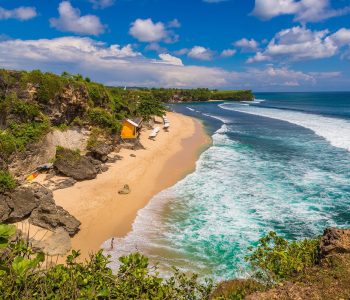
(101,117)
(149,106)
(23,277)
(276,259)
(236,289)
(25,111)
(7,183)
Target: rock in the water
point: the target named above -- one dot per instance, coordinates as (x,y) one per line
(125,190)
(51,217)
(72,164)
(335,241)
(59,243)
(21,201)
(101,151)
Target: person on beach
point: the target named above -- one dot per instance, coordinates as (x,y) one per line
(112,243)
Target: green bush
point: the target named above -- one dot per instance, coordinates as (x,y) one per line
(101,117)
(276,259)
(25,111)
(18,135)
(7,183)
(148,106)
(23,277)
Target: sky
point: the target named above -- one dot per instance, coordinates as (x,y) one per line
(263,45)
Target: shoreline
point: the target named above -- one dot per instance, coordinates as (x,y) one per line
(103,212)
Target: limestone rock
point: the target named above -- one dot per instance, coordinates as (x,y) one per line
(4,209)
(72,164)
(59,243)
(101,151)
(21,201)
(52,217)
(335,241)
(64,183)
(125,190)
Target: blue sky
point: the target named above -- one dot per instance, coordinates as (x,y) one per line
(264,45)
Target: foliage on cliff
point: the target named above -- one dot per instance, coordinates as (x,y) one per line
(32,102)
(7,183)
(25,275)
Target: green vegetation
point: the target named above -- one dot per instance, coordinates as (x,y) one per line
(273,261)
(7,183)
(104,119)
(24,275)
(276,259)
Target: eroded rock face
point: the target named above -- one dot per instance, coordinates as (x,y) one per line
(58,243)
(72,164)
(101,151)
(335,241)
(4,209)
(67,105)
(21,202)
(52,217)
(36,203)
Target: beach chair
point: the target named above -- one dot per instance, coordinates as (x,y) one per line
(154,133)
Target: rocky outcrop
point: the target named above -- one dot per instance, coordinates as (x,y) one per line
(65,106)
(59,243)
(335,241)
(4,209)
(51,217)
(70,163)
(101,151)
(36,203)
(21,203)
(328,280)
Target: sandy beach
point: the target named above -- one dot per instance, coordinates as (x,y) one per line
(103,212)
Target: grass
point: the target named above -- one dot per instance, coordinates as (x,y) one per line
(7,182)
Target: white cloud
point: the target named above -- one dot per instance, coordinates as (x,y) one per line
(174,24)
(202,53)
(101,4)
(303,10)
(145,30)
(171,60)
(117,65)
(247,45)
(156,47)
(228,53)
(21,13)
(182,51)
(299,43)
(341,37)
(70,20)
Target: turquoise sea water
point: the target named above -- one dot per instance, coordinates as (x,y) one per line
(281,163)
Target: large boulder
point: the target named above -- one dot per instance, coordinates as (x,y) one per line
(101,151)
(70,163)
(4,209)
(51,217)
(59,243)
(335,241)
(21,202)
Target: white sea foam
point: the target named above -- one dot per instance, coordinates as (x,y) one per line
(336,131)
(189,108)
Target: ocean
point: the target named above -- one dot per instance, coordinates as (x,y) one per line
(280,163)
